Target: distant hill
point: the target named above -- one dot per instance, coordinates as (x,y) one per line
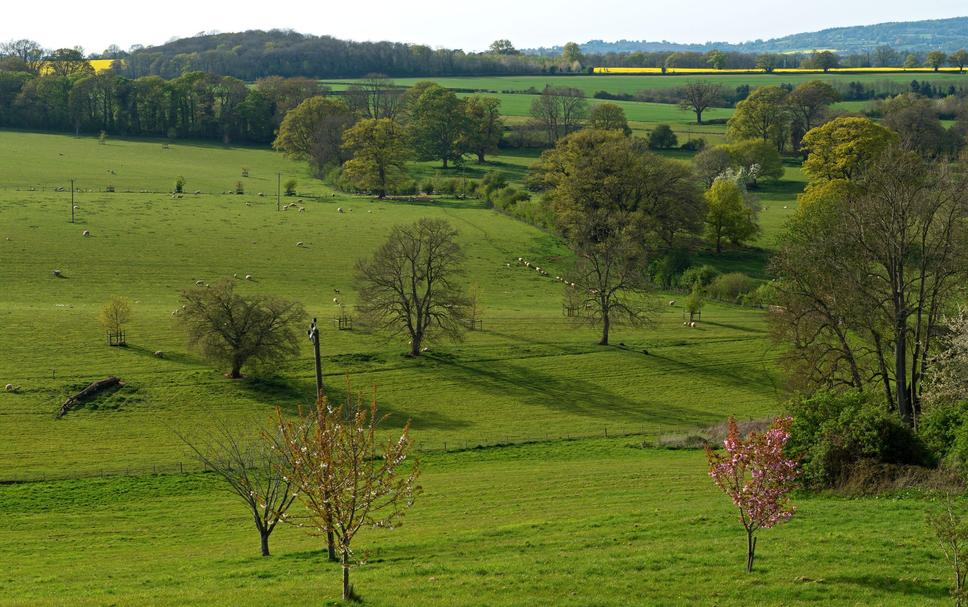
(939,34)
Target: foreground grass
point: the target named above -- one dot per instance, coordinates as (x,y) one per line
(565,523)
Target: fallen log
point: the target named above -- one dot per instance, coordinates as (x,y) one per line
(88,392)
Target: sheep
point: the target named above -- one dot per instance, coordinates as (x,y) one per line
(10,388)
(159,354)
(261,194)
(425,349)
(199,283)
(508,265)
(692,325)
(57,273)
(672,302)
(299,201)
(299,244)
(86,233)
(248,277)
(302,209)
(785,206)
(76,207)
(685,323)
(336,291)
(339,209)
(235,275)
(520,259)
(336,300)
(198,192)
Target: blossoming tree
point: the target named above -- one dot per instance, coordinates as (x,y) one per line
(331,455)
(756,475)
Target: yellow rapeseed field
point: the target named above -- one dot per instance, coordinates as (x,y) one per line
(99,65)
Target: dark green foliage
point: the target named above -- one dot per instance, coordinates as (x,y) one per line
(662,138)
(832,433)
(666,270)
(702,275)
(945,433)
(696,144)
(731,287)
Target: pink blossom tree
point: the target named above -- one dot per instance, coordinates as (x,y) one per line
(756,475)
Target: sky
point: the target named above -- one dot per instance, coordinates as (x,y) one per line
(471,26)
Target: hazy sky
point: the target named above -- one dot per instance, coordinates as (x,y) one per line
(453,23)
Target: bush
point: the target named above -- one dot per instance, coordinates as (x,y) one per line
(944,432)
(731,287)
(760,297)
(833,433)
(703,275)
(427,187)
(239,188)
(666,270)
(697,144)
(179,184)
(662,138)
(291,187)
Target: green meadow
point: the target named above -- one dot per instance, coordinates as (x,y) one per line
(565,517)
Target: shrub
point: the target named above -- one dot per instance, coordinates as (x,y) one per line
(239,188)
(703,275)
(666,270)
(761,296)
(662,138)
(731,287)
(291,187)
(832,433)
(179,184)
(944,432)
(493,180)
(427,187)
(697,144)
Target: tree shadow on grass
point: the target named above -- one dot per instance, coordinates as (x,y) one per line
(883,583)
(577,396)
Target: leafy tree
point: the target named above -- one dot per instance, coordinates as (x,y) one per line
(571,53)
(808,104)
(728,216)
(346,482)
(313,131)
(30,53)
(503,47)
(699,96)
(662,138)
(763,115)
(426,257)
(250,468)
(559,111)
(824,60)
(948,381)
(712,162)
(484,125)
(235,329)
(596,184)
(379,155)
(936,59)
(609,117)
(959,58)
(755,159)
(767,62)
(757,477)
(915,120)
(844,147)
(716,59)
(67,62)
(436,124)
(866,273)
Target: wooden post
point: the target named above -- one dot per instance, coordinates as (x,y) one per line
(278,185)
(314,337)
(72,201)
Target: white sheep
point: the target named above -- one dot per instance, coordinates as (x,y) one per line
(248,277)
(261,194)
(692,325)
(336,300)
(235,275)
(672,302)
(86,233)
(302,209)
(520,259)
(299,244)
(198,191)
(10,388)
(76,207)
(57,273)
(339,209)
(199,283)
(159,354)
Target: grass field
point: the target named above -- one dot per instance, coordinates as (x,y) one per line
(530,374)
(588,523)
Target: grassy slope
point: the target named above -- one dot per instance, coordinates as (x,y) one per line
(590,523)
(531,373)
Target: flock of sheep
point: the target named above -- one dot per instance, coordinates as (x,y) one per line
(541,271)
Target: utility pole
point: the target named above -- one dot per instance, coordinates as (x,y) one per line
(314,337)
(278,207)
(72,201)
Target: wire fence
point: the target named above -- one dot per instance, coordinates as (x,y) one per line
(457,445)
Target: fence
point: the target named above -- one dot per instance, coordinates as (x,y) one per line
(436,448)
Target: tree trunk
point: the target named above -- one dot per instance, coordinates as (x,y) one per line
(265,542)
(698,116)
(347,589)
(605,327)
(900,368)
(750,550)
(445,162)
(331,545)
(415,342)
(480,158)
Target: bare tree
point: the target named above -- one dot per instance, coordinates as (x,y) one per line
(28,51)
(236,329)
(341,478)
(699,96)
(409,285)
(251,469)
(375,97)
(559,111)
